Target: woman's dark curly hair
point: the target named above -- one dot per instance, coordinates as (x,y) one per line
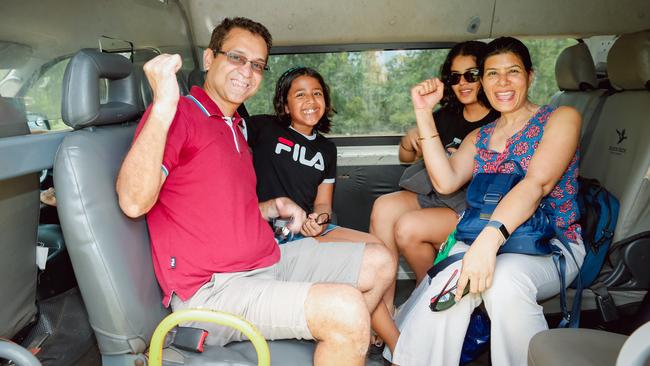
(282,91)
(475,49)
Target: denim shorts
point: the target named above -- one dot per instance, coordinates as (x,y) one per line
(299,236)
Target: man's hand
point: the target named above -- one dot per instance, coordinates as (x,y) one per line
(427,94)
(310,227)
(48,197)
(161,74)
(284,208)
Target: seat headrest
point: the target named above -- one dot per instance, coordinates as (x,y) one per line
(575,70)
(80,101)
(147,93)
(628,61)
(12,118)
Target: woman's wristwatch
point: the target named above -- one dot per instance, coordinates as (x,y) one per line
(500,227)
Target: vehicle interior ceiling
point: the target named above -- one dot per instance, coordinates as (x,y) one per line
(37,37)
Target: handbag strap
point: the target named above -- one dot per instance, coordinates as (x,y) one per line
(433,271)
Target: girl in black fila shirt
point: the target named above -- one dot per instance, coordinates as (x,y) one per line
(293,159)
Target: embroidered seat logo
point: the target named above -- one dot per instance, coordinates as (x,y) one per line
(621,136)
(298,154)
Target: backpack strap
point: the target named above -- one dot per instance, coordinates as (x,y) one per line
(569,319)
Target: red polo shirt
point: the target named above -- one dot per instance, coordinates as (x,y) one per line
(206,219)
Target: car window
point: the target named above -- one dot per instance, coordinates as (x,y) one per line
(43,100)
(370,89)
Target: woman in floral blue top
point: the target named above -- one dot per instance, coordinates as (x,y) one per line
(543,141)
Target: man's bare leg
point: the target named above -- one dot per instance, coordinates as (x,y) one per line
(337,317)
(376,276)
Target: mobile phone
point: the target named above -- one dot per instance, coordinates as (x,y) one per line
(455,143)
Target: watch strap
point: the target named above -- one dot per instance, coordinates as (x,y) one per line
(499,226)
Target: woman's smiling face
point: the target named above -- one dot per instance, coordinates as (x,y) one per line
(506,82)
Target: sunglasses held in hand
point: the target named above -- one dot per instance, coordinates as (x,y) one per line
(447,297)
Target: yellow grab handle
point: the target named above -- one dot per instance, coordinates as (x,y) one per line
(218,317)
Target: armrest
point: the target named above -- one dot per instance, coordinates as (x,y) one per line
(636,349)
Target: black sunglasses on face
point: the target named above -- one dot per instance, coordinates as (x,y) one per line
(471,76)
(240,60)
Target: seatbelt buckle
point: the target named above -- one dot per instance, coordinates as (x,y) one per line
(190,339)
(605,305)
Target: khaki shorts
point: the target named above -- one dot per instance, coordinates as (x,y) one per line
(273,298)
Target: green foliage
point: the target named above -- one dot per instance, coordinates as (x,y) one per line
(370,90)
(544,52)
(44,96)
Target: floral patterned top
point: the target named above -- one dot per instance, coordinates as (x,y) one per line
(520,148)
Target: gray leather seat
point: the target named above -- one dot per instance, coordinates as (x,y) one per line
(589,347)
(619,157)
(19,207)
(618,154)
(575,74)
(110,253)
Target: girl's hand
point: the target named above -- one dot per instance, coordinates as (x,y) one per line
(479,262)
(412,138)
(427,94)
(310,227)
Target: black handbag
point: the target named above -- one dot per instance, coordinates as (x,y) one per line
(484,193)
(416,179)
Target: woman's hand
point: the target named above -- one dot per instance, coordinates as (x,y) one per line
(479,262)
(310,227)
(427,94)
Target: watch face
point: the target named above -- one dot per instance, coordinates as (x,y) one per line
(499,226)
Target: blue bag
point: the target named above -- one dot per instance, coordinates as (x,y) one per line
(598,216)
(484,194)
(477,337)
(532,237)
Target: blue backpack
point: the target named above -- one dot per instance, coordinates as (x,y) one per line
(598,216)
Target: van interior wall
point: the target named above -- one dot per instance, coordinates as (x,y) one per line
(62,27)
(301,23)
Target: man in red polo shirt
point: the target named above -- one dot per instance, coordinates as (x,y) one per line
(189,169)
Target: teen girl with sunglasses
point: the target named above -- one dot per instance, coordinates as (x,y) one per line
(414,225)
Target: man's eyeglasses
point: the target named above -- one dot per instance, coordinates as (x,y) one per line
(471,76)
(447,297)
(237,59)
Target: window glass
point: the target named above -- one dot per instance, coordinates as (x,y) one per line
(43,100)
(370,89)
(544,52)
